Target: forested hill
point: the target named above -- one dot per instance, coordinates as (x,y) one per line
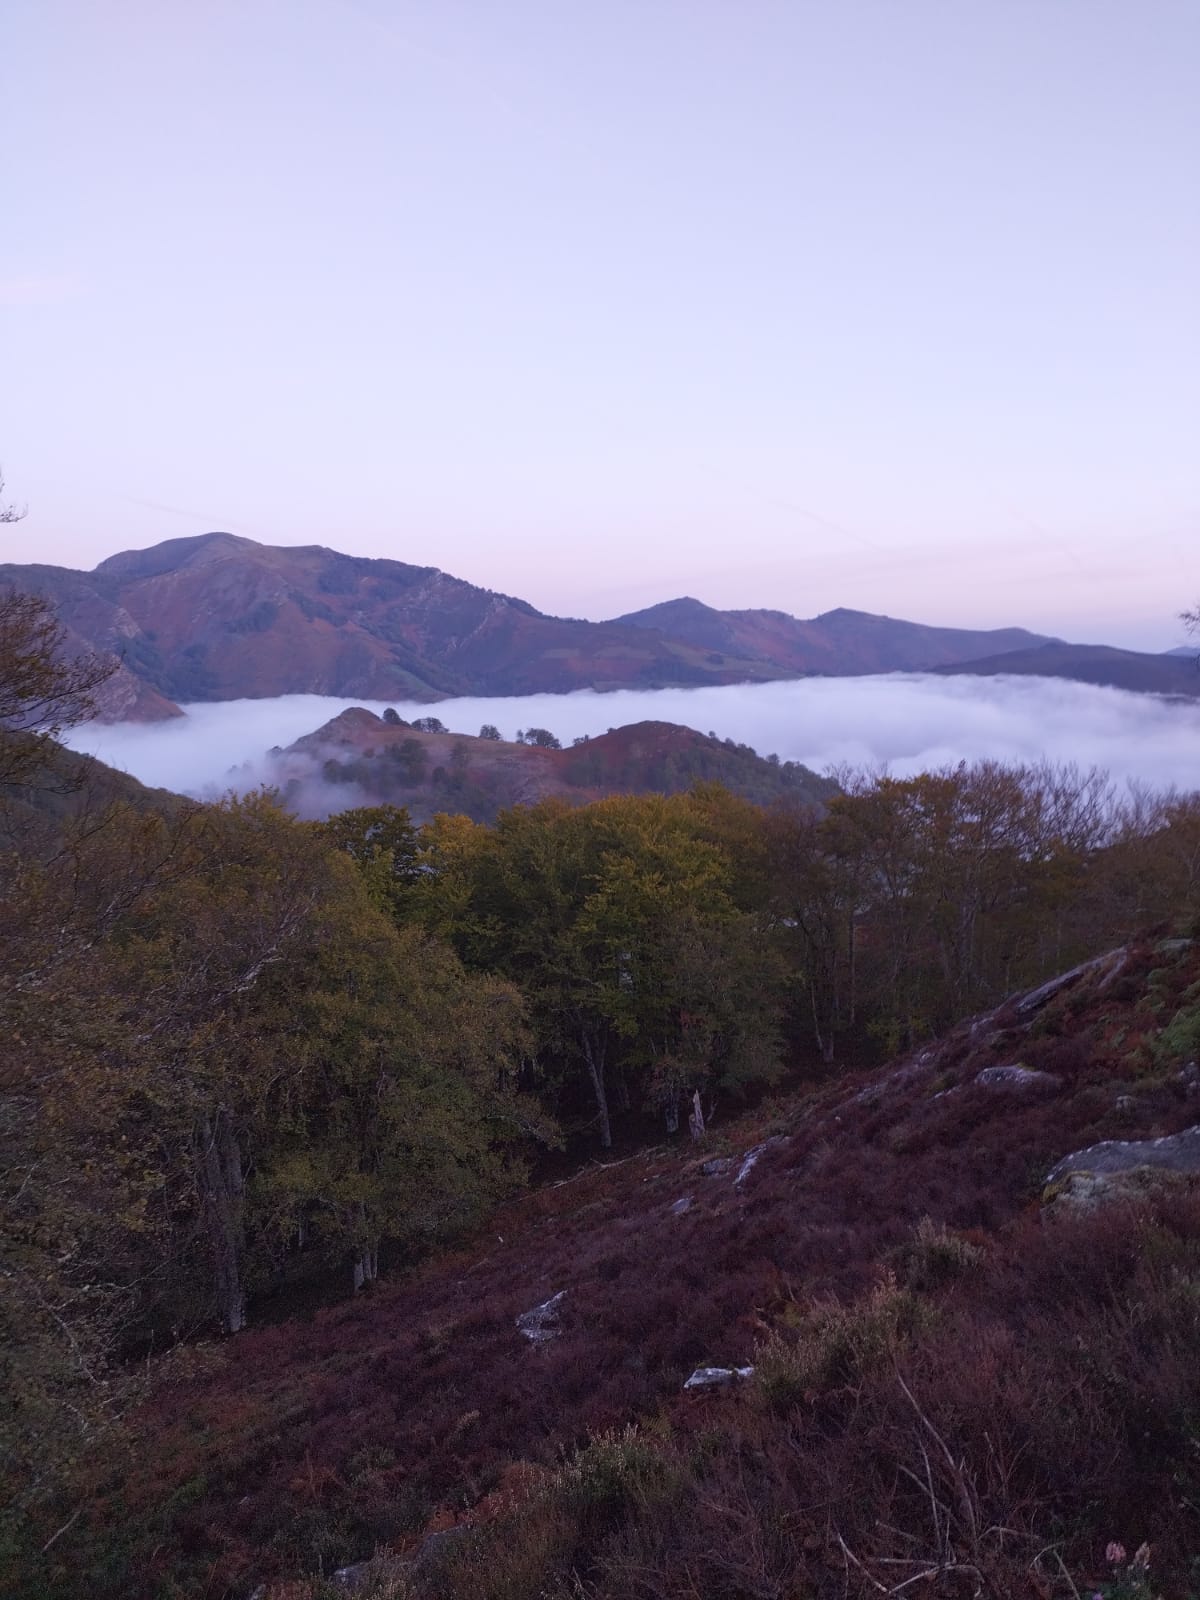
(359,758)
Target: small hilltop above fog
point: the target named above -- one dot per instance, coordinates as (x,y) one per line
(359,758)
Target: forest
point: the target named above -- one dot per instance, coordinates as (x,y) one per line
(252,1063)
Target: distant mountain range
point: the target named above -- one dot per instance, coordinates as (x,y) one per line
(837,642)
(1167,674)
(218,617)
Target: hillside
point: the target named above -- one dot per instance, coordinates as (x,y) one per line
(838,642)
(1140,672)
(961,1376)
(218,618)
(359,758)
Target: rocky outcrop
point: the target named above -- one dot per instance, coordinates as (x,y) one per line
(541,1324)
(752,1157)
(1018,1080)
(1087,1191)
(717,1377)
(1174,1152)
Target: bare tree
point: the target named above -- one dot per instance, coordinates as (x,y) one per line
(43,687)
(9,513)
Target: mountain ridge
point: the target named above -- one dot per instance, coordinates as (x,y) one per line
(839,641)
(217,616)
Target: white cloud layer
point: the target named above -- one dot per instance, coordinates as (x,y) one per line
(910,722)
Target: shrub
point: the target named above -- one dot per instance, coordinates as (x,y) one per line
(837,1344)
(935,1256)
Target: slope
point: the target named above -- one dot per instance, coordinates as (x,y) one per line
(949,1381)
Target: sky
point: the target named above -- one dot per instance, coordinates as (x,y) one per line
(888,304)
(907,722)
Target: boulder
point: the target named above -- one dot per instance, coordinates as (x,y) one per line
(354,1578)
(1086,1191)
(1016,1079)
(1114,960)
(717,1377)
(716,1166)
(541,1324)
(1174,1152)
(682,1206)
(751,1159)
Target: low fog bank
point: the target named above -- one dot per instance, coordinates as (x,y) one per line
(910,722)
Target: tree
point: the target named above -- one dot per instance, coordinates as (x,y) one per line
(42,688)
(543,738)
(430,725)
(619,924)
(382,843)
(489,731)
(405,1123)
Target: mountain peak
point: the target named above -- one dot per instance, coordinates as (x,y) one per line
(172,554)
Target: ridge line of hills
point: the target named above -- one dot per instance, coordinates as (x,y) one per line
(217,617)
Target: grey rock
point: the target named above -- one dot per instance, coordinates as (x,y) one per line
(1087,1191)
(358,1576)
(717,1377)
(353,1578)
(433,1545)
(682,1206)
(1035,999)
(1016,1079)
(541,1323)
(716,1166)
(1174,1152)
(752,1157)
(1125,1105)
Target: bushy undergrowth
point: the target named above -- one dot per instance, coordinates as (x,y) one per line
(948,1379)
(985,1449)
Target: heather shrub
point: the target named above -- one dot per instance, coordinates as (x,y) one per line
(612,1472)
(834,1345)
(935,1256)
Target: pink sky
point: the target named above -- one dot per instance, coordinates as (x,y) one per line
(785,304)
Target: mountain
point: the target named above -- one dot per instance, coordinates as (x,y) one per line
(218,617)
(946,1358)
(358,758)
(1168,674)
(838,642)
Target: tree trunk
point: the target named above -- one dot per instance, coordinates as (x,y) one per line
(366,1267)
(221,1186)
(593,1054)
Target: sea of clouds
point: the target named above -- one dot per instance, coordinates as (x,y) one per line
(908,722)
